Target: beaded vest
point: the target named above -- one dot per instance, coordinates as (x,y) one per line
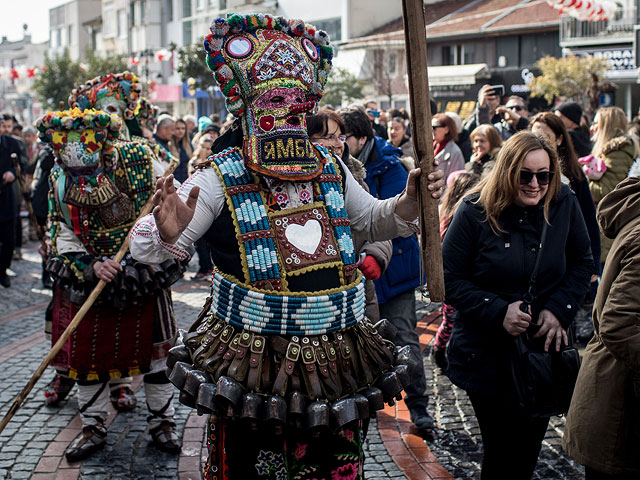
(103,220)
(278,246)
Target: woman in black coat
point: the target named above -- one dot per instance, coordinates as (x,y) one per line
(489,252)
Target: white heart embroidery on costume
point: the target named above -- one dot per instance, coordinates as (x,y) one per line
(305,237)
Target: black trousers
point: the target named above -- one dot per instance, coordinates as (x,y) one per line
(7,244)
(511,439)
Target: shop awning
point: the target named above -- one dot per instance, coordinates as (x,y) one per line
(458,74)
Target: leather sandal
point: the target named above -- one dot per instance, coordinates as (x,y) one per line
(123,399)
(165,437)
(92,439)
(58,389)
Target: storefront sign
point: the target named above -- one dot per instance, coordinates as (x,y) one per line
(620,58)
(527,78)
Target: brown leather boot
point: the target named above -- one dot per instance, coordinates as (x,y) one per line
(91,439)
(165,437)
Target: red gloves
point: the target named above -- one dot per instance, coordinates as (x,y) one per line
(370,268)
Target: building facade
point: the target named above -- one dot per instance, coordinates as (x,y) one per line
(615,40)
(474,42)
(17,61)
(67,30)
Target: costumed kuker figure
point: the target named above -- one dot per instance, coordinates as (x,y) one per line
(117,94)
(282,356)
(96,194)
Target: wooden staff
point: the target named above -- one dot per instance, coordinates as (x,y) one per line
(415,38)
(15,406)
(27,201)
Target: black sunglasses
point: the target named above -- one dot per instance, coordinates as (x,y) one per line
(517,108)
(437,126)
(543,177)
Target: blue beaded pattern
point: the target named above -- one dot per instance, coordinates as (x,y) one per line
(334,201)
(286,315)
(251,214)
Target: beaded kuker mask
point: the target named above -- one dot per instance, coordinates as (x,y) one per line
(272,71)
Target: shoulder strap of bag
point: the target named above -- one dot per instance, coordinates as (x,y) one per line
(528,297)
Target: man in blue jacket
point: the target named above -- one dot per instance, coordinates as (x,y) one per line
(386,177)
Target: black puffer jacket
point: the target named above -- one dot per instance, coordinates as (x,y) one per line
(485,272)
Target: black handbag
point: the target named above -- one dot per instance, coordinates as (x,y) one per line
(543,381)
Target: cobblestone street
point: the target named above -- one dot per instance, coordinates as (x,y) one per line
(32,445)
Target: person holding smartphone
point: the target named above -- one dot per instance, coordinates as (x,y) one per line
(371,107)
(486,108)
(515,117)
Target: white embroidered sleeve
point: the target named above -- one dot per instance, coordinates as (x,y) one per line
(145,242)
(67,241)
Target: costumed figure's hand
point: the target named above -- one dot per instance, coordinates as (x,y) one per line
(172,215)
(516,321)
(370,268)
(8,177)
(436,183)
(106,270)
(550,326)
(407,206)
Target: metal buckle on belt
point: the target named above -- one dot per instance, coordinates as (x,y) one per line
(308,355)
(293,352)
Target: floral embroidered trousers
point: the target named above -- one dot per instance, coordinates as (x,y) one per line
(237,451)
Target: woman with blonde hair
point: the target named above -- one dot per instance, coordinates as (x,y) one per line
(489,253)
(486,143)
(180,148)
(618,150)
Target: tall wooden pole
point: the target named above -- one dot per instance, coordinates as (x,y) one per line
(415,38)
(86,306)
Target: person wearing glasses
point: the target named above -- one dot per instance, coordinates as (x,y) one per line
(445,149)
(489,253)
(514,117)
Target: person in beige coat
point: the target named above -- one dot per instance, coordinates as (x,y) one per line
(603,424)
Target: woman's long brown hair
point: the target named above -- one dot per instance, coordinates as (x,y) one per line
(500,189)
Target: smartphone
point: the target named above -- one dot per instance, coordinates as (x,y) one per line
(498,90)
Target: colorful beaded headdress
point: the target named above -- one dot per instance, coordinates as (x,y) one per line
(147,114)
(271,70)
(81,139)
(122,89)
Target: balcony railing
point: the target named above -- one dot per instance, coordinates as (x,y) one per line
(615,30)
